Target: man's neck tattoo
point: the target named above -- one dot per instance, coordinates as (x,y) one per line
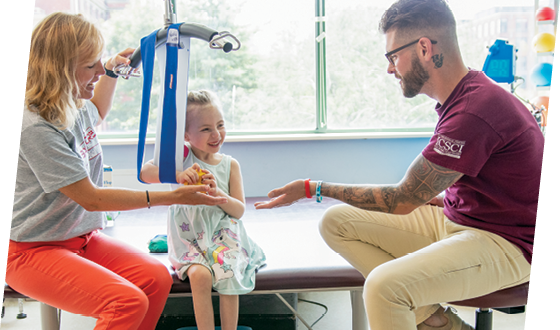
(438,60)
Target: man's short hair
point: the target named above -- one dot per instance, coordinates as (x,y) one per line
(412,17)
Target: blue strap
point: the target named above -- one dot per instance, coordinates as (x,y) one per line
(147,49)
(169,114)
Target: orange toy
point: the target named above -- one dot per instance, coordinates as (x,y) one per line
(199,182)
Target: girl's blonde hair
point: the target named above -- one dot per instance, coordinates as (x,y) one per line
(201,99)
(59,44)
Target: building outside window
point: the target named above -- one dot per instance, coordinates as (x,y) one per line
(504,25)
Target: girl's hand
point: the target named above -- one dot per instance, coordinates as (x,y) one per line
(189,176)
(119,59)
(209,180)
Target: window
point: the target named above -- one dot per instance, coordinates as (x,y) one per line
(304,65)
(504,25)
(360,93)
(268,85)
(521,25)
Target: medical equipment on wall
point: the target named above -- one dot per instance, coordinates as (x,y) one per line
(500,66)
(500,62)
(172,46)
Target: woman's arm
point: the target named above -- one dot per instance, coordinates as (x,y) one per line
(95,199)
(105,87)
(236,198)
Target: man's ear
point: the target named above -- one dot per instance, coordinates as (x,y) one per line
(426,49)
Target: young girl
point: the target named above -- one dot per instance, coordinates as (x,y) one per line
(209,244)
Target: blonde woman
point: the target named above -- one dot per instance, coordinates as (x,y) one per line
(57,253)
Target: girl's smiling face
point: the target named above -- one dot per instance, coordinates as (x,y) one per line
(206,129)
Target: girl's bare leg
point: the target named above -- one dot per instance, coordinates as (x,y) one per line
(201,288)
(229,311)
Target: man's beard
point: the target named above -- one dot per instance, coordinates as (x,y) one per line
(413,80)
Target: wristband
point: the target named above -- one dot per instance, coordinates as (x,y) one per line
(148,199)
(318,192)
(109,73)
(307,189)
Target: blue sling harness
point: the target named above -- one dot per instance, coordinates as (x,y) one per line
(168,154)
(169,146)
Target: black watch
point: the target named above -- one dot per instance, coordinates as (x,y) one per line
(109,73)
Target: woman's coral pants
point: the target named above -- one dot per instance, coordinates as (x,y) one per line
(93,275)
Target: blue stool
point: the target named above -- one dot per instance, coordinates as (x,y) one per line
(217,328)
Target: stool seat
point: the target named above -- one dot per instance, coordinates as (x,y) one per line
(11,293)
(510,297)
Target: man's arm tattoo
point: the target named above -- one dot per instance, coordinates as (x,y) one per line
(423,181)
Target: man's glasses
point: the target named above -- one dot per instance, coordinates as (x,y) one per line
(390,54)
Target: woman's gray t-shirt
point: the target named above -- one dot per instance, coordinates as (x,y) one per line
(49,159)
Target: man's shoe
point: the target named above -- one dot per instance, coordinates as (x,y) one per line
(454,322)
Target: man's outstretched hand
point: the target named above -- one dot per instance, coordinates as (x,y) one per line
(285,196)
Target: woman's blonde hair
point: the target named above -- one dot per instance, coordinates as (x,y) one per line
(59,44)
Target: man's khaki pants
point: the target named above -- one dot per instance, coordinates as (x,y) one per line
(414,262)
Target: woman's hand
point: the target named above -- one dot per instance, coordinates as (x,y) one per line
(196,195)
(285,196)
(122,58)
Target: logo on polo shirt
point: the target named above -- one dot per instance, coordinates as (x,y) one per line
(449,147)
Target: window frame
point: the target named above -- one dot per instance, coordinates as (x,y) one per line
(321,111)
(321,126)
